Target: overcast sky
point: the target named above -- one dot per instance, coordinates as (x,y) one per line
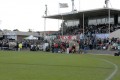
(27,14)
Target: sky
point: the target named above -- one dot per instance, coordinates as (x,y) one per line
(27,14)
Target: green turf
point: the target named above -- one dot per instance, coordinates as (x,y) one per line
(27,65)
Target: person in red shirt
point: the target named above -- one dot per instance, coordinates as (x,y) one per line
(56,47)
(73,49)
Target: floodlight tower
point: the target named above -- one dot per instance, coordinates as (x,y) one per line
(45,21)
(72,5)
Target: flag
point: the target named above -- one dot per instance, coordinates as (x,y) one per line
(63,5)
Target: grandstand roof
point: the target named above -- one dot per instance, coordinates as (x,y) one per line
(87,14)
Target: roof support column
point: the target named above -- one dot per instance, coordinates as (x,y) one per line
(44,27)
(116,19)
(62,25)
(109,19)
(83,25)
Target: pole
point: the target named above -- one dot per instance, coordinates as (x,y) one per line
(62,24)
(44,27)
(45,21)
(107,3)
(109,19)
(58,13)
(46,10)
(79,5)
(72,5)
(83,25)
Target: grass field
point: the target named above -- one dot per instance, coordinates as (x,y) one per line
(27,65)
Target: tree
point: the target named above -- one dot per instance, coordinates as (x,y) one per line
(30,30)
(15,30)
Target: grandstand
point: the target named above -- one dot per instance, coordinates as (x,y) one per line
(97,21)
(94,30)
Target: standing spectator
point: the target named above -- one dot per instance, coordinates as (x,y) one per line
(20,46)
(80,46)
(67,47)
(74,48)
(56,47)
(52,46)
(118,46)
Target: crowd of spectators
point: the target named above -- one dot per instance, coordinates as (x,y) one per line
(88,30)
(88,41)
(87,44)
(55,46)
(91,29)
(7,44)
(84,44)
(101,44)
